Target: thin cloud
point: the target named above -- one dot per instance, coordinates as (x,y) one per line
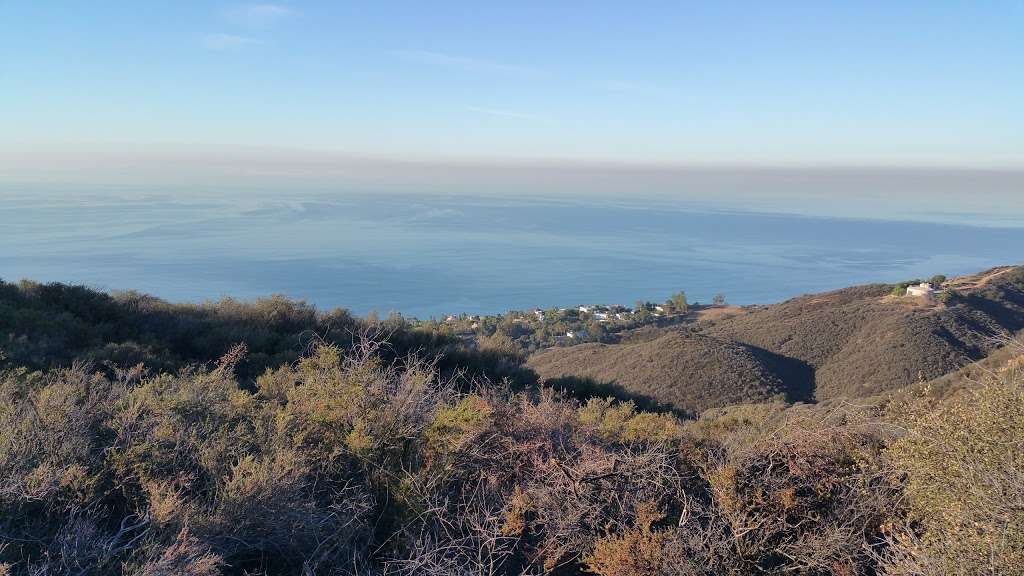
(228,42)
(506,113)
(464,64)
(258,16)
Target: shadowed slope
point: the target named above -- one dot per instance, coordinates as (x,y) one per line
(688,371)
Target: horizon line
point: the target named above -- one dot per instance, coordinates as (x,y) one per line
(184,151)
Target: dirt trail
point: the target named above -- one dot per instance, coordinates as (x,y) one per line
(976,281)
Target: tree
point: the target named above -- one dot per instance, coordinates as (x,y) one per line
(937,280)
(719,299)
(488,325)
(678,301)
(641,311)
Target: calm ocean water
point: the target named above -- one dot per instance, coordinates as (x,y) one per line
(428,255)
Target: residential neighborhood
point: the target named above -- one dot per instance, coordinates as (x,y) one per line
(539,328)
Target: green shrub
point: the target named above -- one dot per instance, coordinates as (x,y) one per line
(458,425)
(615,421)
(962,464)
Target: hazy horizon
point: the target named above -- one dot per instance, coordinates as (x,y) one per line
(793,84)
(957,195)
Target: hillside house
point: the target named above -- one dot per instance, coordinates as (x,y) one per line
(923,289)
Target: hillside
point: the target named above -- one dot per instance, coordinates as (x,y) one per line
(853,343)
(340,460)
(687,371)
(54,325)
(861,341)
(370,454)
(1009,356)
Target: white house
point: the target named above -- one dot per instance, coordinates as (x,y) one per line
(923,289)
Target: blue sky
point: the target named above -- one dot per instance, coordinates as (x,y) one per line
(773,83)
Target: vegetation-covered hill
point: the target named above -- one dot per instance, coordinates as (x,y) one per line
(408,454)
(343,465)
(862,341)
(850,343)
(52,325)
(684,370)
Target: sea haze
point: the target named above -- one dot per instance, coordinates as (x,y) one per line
(427,255)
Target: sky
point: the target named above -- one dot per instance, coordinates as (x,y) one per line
(794,84)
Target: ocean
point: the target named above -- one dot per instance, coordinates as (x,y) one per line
(426,255)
